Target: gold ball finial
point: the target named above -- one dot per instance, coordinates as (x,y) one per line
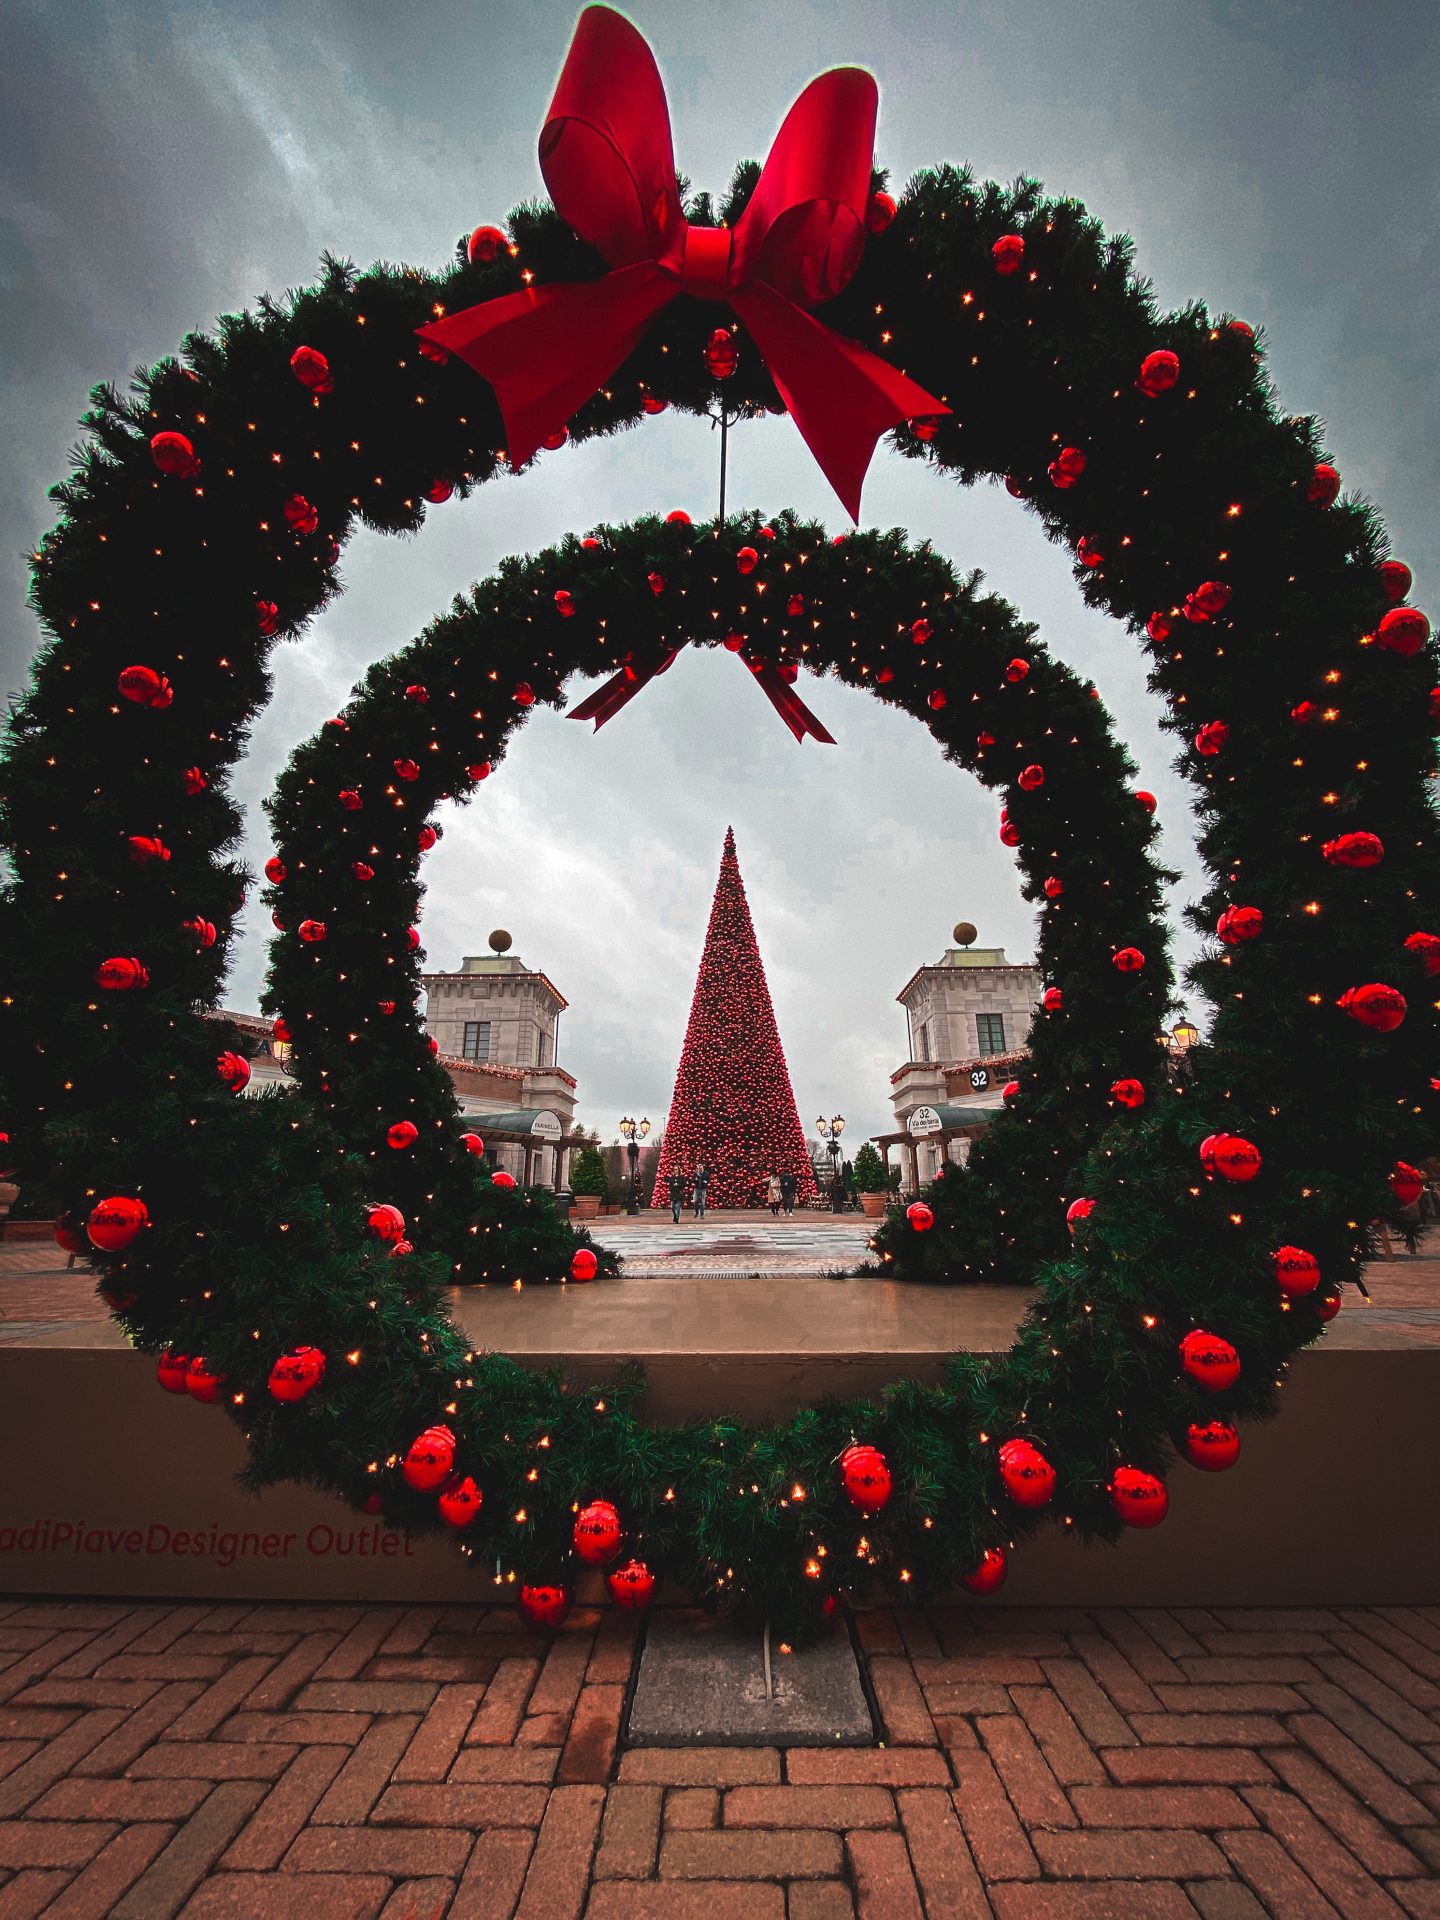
(965,934)
(500,941)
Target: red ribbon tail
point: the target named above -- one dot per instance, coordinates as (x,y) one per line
(618,691)
(841,396)
(547,350)
(788,704)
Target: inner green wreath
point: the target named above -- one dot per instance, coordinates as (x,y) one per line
(206,515)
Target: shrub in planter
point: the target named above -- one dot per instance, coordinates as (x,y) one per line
(589,1182)
(869,1174)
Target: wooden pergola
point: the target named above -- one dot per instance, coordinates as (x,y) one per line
(959,1120)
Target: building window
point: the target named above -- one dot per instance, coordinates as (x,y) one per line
(922,1042)
(476,1044)
(991,1029)
(544,1045)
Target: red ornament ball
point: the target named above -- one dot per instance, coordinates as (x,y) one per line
(1403,630)
(171,1370)
(1140,1499)
(1079,1211)
(1009,832)
(1374,1005)
(480,771)
(426,838)
(202,1383)
(146,850)
(1407,1183)
(1158,372)
(460,1501)
(280,1030)
(936,700)
(472,1143)
(267,618)
(651,405)
(403,1134)
(865,1476)
(1147,800)
(1426,948)
(406,769)
(1235,1158)
(632,1587)
(722,356)
(920,1216)
(174,456)
(484,244)
(565,603)
(1212,1445)
(117,1222)
(1296,1271)
(746,560)
(1017,671)
(1208,599)
(1327,1304)
(583,1264)
(301,515)
(350,800)
(145,687)
(1128,960)
(193,780)
(234,1071)
(296,1373)
(502,1179)
(429,1459)
(312,932)
(1031,778)
(440,490)
(880,212)
(1323,487)
(1008,252)
(1010,1092)
(598,1533)
(1396,579)
(1211,738)
(1052,999)
(544,1606)
(275,870)
(1354,850)
(1089,551)
(524,695)
(1239,925)
(1128,1093)
(121,973)
(1067,467)
(1054,887)
(1210,1361)
(412,941)
(384,1221)
(990,1575)
(1026,1474)
(312,370)
(1159,627)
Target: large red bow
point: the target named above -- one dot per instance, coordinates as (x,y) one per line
(621,688)
(606,155)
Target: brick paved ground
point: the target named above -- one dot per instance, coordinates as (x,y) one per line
(337,1763)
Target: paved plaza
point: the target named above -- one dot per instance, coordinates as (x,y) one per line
(751,1243)
(240,1762)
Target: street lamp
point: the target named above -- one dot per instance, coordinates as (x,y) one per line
(634,1132)
(1184,1035)
(830,1131)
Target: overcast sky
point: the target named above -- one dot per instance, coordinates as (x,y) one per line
(161,164)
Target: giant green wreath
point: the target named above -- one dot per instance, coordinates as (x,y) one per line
(1197,515)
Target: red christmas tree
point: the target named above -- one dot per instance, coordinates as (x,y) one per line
(733,1108)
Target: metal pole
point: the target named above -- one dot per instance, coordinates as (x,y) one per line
(724,451)
(634,1152)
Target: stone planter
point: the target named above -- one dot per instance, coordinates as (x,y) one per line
(874,1204)
(586,1206)
(26,1229)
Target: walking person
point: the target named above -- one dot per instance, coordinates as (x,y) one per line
(789,1186)
(675,1187)
(702,1187)
(772,1193)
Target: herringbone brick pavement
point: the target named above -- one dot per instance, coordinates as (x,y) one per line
(345,1762)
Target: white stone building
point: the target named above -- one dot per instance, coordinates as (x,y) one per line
(967,1022)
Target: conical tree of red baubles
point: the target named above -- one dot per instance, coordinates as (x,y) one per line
(733,1106)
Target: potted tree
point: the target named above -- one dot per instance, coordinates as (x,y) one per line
(589,1183)
(870,1181)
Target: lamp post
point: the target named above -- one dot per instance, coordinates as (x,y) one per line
(830,1132)
(1183,1035)
(634,1132)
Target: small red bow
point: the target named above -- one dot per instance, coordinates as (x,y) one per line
(622,687)
(607,158)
